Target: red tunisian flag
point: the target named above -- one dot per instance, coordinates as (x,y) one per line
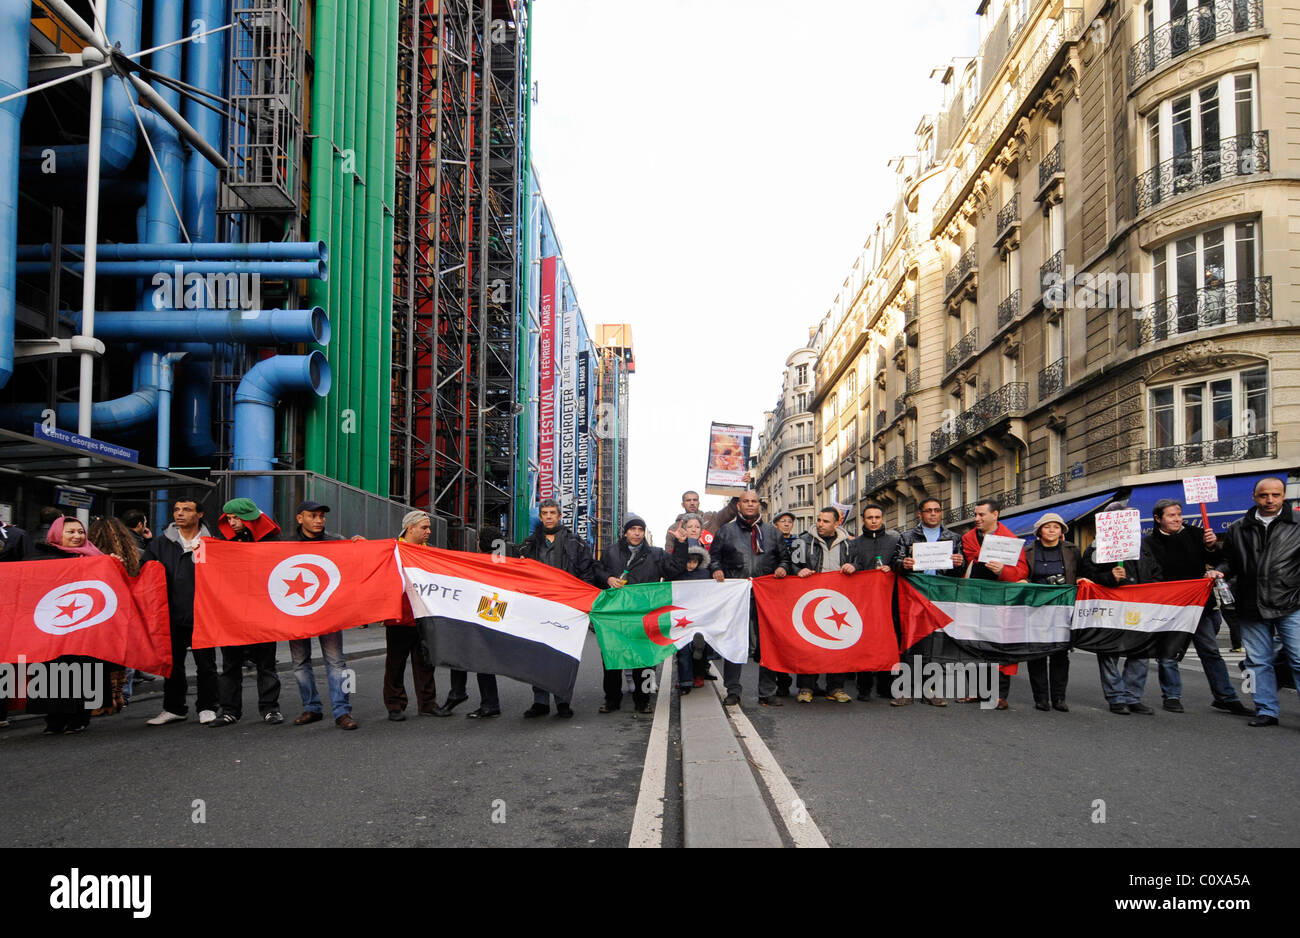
(280,590)
(88,607)
(828,623)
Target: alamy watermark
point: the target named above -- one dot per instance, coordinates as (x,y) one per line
(1104,290)
(54,680)
(946,680)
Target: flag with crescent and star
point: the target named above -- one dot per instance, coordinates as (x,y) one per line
(281,590)
(827,623)
(86,607)
(639,626)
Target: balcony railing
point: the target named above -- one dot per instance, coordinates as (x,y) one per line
(1052,275)
(1243,155)
(801,473)
(1051,165)
(900,343)
(964,267)
(1053,485)
(913,381)
(912,311)
(1010,214)
(1006,400)
(962,350)
(1009,309)
(1203,25)
(960,513)
(801,503)
(1234,303)
(881,420)
(900,407)
(910,454)
(1051,379)
(1232,449)
(881,476)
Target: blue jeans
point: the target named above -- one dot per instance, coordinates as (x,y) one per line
(1257,638)
(1125,688)
(1206,642)
(331,649)
(685,658)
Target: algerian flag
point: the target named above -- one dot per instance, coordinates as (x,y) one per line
(984,620)
(639,626)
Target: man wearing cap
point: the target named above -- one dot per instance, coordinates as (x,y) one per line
(403,640)
(243,521)
(1052,560)
(311,527)
(631,560)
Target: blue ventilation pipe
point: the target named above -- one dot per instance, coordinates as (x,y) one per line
(252,326)
(14,18)
(124,413)
(280,270)
(262,389)
(182,252)
(205,67)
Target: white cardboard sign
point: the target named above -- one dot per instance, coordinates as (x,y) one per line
(933,556)
(1119,535)
(1001,549)
(1200,490)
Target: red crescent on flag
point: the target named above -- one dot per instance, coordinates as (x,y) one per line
(810,618)
(322,580)
(653,631)
(97,604)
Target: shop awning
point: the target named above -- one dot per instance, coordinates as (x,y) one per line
(1235,499)
(1023,524)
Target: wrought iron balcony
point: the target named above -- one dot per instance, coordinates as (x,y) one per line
(913,381)
(1237,302)
(1232,449)
(1009,309)
(1243,155)
(912,311)
(801,503)
(1204,24)
(881,476)
(1007,400)
(1051,278)
(900,343)
(801,473)
(962,350)
(1051,165)
(1009,216)
(1011,498)
(910,454)
(1053,485)
(959,514)
(963,269)
(1051,379)
(881,420)
(899,407)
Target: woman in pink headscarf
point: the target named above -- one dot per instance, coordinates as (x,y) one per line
(66,540)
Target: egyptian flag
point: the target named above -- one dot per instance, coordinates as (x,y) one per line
(1141,620)
(276,591)
(828,623)
(639,626)
(85,607)
(499,615)
(983,620)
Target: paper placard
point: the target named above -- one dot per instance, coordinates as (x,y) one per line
(936,556)
(1119,536)
(1001,549)
(1200,489)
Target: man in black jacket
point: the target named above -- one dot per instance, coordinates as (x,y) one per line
(748,547)
(556,546)
(310,517)
(825,549)
(1262,553)
(243,521)
(874,549)
(174,548)
(631,560)
(1177,551)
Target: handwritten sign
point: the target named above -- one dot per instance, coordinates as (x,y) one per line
(936,556)
(1201,489)
(999,549)
(1119,536)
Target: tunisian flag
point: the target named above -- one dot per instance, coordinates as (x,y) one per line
(281,590)
(88,607)
(828,623)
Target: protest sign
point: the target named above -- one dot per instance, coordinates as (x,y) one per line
(1119,535)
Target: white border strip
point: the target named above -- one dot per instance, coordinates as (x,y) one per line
(648,821)
(803,829)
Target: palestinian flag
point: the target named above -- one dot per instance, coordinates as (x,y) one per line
(639,626)
(828,623)
(498,615)
(1142,620)
(983,620)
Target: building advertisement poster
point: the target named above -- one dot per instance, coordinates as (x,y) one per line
(582,518)
(546,383)
(728,459)
(568,459)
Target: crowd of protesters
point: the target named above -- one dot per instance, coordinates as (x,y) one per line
(1258,555)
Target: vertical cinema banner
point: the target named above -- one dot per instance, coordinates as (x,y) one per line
(546,383)
(568,460)
(582,493)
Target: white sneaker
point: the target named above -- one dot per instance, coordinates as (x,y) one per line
(166,717)
(206,717)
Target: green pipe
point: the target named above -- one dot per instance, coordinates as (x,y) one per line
(524,365)
(322,192)
(383,456)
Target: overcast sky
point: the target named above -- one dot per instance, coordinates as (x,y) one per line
(713,169)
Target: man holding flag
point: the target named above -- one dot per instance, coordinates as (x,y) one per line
(987,511)
(823,550)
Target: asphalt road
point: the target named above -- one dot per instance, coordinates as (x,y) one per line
(423,782)
(875,775)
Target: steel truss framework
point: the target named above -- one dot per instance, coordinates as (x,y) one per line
(457,260)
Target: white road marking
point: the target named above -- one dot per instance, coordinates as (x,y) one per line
(794,813)
(648,821)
